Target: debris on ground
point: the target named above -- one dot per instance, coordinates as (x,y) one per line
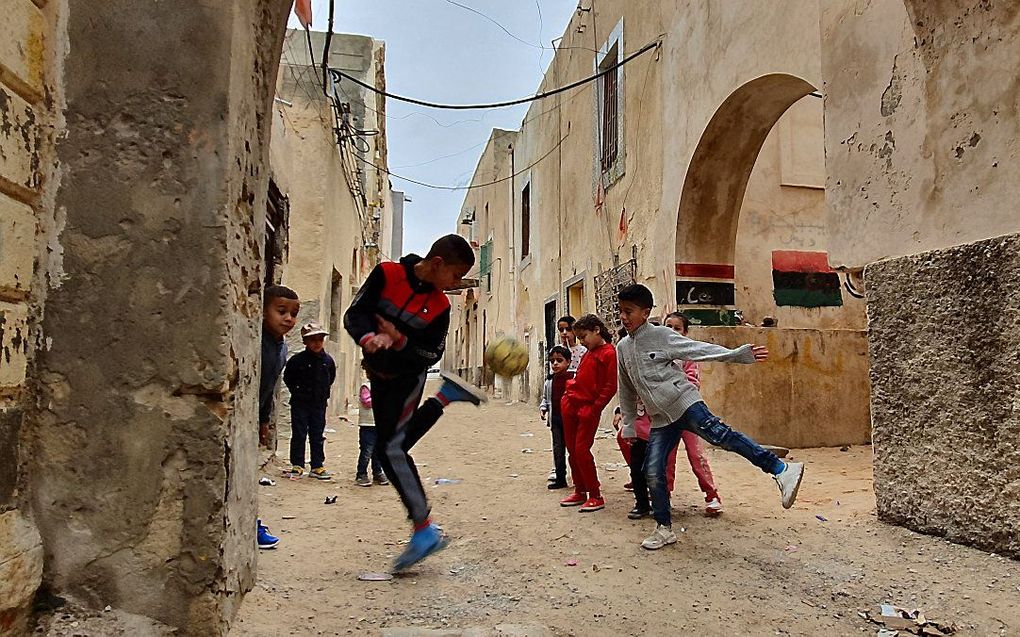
(330,499)
(527,450)
(442,481)
(896,619)
(267,482)
(822,518)
(375,577)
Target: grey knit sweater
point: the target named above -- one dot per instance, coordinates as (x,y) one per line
(645,360)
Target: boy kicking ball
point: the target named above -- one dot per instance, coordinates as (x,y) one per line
(645,359)
(400,318)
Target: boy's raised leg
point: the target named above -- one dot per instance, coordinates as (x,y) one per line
(788,475)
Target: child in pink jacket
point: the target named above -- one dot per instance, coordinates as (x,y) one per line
(692,443)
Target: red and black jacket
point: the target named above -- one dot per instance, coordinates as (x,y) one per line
(418,310)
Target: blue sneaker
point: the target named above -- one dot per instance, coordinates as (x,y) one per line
(424,542)
(456,389)
(266,541)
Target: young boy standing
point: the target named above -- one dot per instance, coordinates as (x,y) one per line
(552,413)
(309,375)
(400,318)
(280,307)
(674,404)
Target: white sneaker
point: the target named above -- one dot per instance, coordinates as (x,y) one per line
(662,536)
(789,482)
(714,507)
(552,476)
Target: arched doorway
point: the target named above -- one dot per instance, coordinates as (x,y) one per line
(750,253)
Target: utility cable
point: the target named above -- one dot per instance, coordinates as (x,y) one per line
(472,186)
(524,100)
(507,31)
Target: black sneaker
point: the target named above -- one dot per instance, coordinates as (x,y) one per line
(381,479)
(557,484)
(638,513)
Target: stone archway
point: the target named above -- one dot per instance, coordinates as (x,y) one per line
(816,348)
(722,163)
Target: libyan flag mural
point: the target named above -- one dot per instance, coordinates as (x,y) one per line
(804,279)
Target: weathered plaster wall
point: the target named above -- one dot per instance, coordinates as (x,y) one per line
(946,371)
(812,392)
(921,126)
(31,49)
(326,230)
(921,132)
(140,459)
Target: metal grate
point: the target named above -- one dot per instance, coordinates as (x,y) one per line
(608,284)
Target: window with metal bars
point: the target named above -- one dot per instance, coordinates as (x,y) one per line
(609,118)
(526,222)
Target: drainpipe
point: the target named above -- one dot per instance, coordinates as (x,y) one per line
(512,238)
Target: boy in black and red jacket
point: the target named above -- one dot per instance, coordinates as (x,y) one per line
(400,318)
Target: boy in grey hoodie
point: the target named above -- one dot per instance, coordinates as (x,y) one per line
(645,360)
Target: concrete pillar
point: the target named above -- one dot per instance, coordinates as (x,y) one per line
(945,371)
(140,469)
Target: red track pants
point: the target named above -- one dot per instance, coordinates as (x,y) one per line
(580,424)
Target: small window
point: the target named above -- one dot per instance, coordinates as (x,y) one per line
(608,126)
(608,119)
(526,222)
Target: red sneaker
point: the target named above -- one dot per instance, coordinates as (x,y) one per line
(573,500)
(593,504)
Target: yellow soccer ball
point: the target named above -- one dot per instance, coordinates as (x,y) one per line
(506,357)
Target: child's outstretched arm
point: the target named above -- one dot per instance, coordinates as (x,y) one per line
(687,349)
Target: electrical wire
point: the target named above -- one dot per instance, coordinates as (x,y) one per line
(471,186)
(524,100)
(507,31)
(432,161)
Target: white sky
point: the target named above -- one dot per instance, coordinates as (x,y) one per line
(443,53)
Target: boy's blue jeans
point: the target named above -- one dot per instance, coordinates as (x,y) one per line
(700,420)
(366,453)
(307,422)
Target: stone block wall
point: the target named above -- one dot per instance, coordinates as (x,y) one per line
(945,373)
(28,100)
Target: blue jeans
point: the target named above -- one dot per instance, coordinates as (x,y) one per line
(700,420)
(366,453)
(310,423)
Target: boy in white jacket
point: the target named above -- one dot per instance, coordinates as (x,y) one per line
(645,361)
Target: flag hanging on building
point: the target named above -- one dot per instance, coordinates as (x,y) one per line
(303,10)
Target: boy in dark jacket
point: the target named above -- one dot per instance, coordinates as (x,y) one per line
(309,374)
(400,318)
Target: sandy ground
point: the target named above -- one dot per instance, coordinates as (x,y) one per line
(756,570)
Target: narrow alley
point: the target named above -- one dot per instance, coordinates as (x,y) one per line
(756,570)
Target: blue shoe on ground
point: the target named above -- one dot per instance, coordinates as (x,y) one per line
(456,389)
(266,541)
(424,542)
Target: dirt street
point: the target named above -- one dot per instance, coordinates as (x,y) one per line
(756,570)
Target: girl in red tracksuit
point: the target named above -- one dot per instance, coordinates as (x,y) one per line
(593,386)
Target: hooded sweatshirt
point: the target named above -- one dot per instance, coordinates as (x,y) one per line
(420,312)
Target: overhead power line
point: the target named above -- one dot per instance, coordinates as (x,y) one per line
(472,186)
(524,100)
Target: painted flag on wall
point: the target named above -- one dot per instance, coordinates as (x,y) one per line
(804,279)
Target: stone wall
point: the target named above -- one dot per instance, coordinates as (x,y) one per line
(30,48)
(812,392)
(945,350)
(139,462)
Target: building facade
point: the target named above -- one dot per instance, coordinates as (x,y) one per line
(697,169)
